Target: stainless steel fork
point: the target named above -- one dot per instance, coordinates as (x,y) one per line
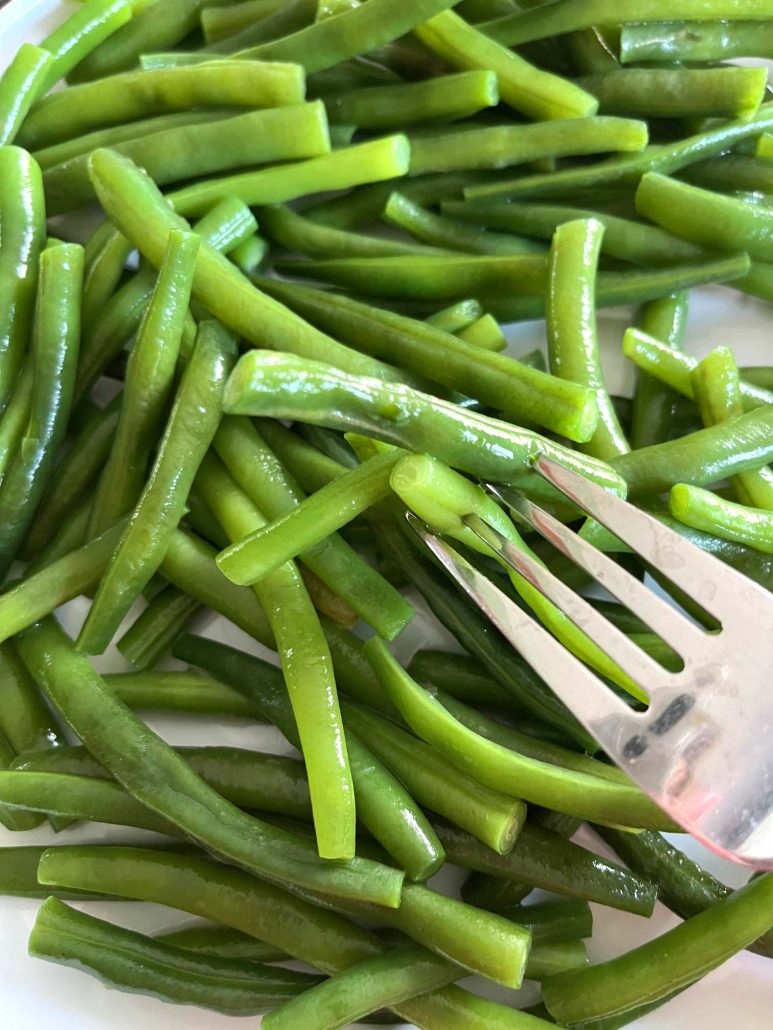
(703,749)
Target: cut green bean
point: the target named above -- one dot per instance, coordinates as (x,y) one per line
(654,971)
(81,33)
(456,316)
(264,551)
(654,405)
(527,89)
(573,344)
(149,769)
(701,509)
(563,920)
(685,40)
(191,151)
(485,333)
(22,82)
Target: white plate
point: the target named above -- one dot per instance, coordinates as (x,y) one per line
(34,994)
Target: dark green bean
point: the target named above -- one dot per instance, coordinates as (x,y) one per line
(732,173)
(152,633)
(494,893)
(554,920)
(188,692)
(220,22)
(460,676)
(19,876)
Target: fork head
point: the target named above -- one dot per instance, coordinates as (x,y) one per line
(703,748)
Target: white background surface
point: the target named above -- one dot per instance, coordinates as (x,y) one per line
(35,995)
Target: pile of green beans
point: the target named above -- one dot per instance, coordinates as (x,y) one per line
(221,400)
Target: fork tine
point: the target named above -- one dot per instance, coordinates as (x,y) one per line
(594,704)
(631,659)
(707,580)
(661,617)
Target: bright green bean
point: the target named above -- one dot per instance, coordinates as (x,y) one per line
(654,405)
(81,33)
(695,40)
(573,344)
(457,316)
(527,89)
(701,509)
(22,82)
(250,256)
(485,332)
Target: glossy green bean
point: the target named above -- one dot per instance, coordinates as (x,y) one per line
(16,416)
(654,971)
(150,769)
(440,231)
(683,886)
(552,958)
(190,151)
(665,158)
(675,368)
(496,766)
(23,216)
(19,875)
(357,31)
(724,92)
(701,509)
(264,479)
(529,90)
(554,921)
(623,238)
(685,40)
(573,344)
(250,256)
(395,414)
(55,341)
(14,819)
(389,107)
(81,33)
(151,635)
(493,893)
(384,806)
(485,333)
(496,380)
(571,15)
(142,213)
(456,316)
(296,232)
(709,219)
(308,523)
(716,386)
(21,83)
(543,859)
(654,405)
(223,942)
(149,380)
(133,962)
(26,722)
(188,692)
(501,146)
(310,466)
(460,675)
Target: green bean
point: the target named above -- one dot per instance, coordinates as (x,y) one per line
(309,466)
(496,380)
(482,10)
(356,31)
(654,405)
(81,33)
(493,893)
(573,344)
(296,232)
(134,95)
(571,15)
(158,778)
(501,146)
(388,107)
(716,386)
(56,334)
(177,692)
(724,92)
(551,958)
(23,218)
(623,238)
(131,961)
(636,287)
(485,333)
(224,226)
(107,253)
(456,316)
(149,380)
(16,416)
(259,473)
(306,664)
(672,961)
(288,18)
(14,819)
(395,414)
(568,791)
(249,779)
(219,22)
(383,804)
(554,921)
(223,942)
(758,375)
(459,675)
(159,26)
(674,368)
(732,173)
(250,256)
(665,158)
(25,720)
(190,430)
(259,137)
(541,858)
(527,89)
(701,509)
(19,875)
(21,84)
(491,816)
(151,635)
(695,40)
(683,886)
(436,230)
(706,218)
(308,523)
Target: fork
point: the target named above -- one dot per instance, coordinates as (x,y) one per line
(703,748)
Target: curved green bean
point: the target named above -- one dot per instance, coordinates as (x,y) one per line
(22,82)
(654,405)
(701,509)
(81,33)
